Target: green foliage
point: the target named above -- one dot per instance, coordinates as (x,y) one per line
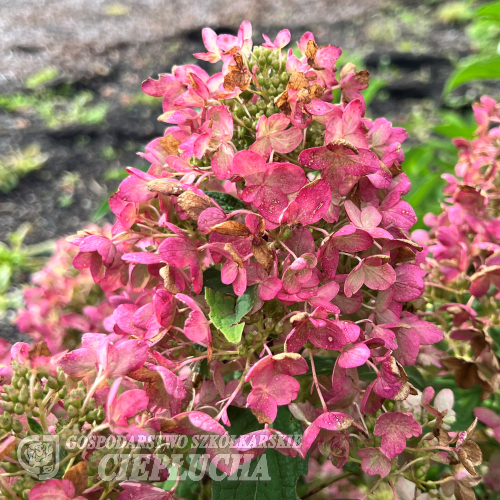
(34,426)
(101,211)
(19,163)
(16,259)
(284,471)
(433,156)
(226,311)
(465,400)
(227,202)
(212,279)
(484,33)
(473,69)
(42,77)
(455,12)
(58,109)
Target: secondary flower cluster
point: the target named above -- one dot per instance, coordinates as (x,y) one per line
(264,255)
(464,266)
(63,302)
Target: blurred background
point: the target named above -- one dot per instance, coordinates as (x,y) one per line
(72,115)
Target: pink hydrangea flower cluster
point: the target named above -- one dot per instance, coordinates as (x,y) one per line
(464,267)
(63,303)
(262,266)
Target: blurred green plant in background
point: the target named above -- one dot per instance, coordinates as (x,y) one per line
(17,259)
(17,164)
(58,108)
(484,33)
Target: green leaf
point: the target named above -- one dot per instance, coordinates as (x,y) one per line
(490,11)
(34,426)
(323,365)
(375,85)
(101,211)
(188,489)
(353,467)
(244,303)
(227,202)
(283,471)
(226,311)
(5,275)
(455,125)
(211,279)
(477,69)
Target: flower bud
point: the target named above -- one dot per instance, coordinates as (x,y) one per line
(91,416)
(24,395)
(6,421)
(17,426)
(38,391)
(19,408)
(8,466)
(100,415)
(72,411)
(52,383)
(8,405)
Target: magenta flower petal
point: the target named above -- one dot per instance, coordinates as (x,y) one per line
(374,462)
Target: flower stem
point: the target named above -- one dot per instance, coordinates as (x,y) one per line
(316,382)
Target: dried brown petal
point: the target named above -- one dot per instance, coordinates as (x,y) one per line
(78,475)
(478,344)
(170,144)
(464,460)
(168,280)
(282,103)
(472,428)
(261,417)
(298,81)
(264,255)
(403,254)
(210,351)
(166,187)
(342,142)
(463,492)
(316,90)
(39,349)
(473,451)
(262,225)
(167,424)
(231,228)
(453,363)
(238,75)
(311,50)
(346,69)
(384,258)
(405,391)
(234,254)
(193,204)
(442,436)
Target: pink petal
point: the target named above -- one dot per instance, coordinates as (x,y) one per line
(353,356)
(177,251)
(374,462)
(310,205)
